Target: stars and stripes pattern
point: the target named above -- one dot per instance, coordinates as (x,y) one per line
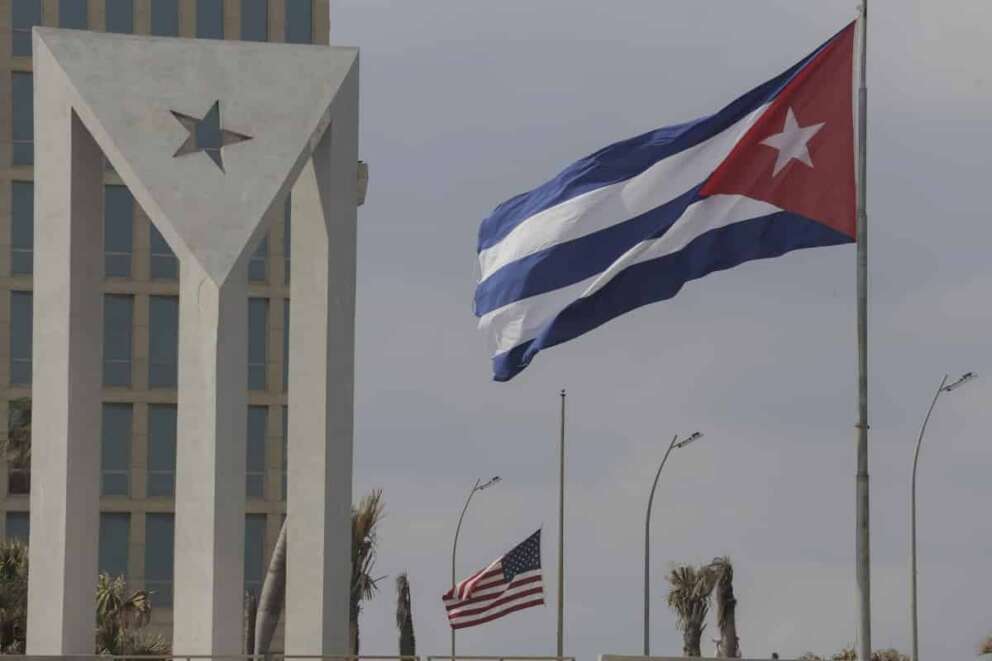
(511,583)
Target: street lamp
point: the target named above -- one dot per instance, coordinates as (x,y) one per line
(479,486)
(942,388)
(676,443)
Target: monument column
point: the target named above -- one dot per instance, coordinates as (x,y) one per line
(210,462)
(321,387)
(67,379)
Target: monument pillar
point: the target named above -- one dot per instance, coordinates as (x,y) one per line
(210,462)
(68,368)
(208,153)
(321,387)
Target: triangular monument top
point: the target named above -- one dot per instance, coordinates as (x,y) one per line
(208,135)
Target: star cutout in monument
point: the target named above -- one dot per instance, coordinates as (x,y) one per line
(791,142)
(206,135)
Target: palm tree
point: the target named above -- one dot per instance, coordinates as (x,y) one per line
(364,521)
(17,445)
(986,647)
(404,617)
(364,530)
(120,618)
(728,647)
(689,596)
(13,596)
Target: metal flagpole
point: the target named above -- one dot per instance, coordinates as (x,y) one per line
(561,531)
(862,535)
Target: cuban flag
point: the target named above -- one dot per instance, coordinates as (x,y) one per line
(629,225)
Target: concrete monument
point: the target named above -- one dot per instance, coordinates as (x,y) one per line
(210,137)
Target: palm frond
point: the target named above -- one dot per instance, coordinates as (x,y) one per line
(986,647)
(364,522)
(119,614)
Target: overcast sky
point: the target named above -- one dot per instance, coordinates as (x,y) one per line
(466,103)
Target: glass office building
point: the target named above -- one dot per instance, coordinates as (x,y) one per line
(138,455)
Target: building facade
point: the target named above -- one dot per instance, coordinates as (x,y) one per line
(140,344)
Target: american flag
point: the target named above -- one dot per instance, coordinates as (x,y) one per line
(511,583)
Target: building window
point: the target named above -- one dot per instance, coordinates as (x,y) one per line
(163,341)
(257,265)
(118,313)
(254,20)
(19,446)
(254,553)
(24,15)
(286,239)
(285,451)
(21,324)
(299,21)
(72,14)
(161,450)
(258,323)
(115,537)
(164,265)
(210,19)
(22,112)
(159,539)
(22,227)
(165,18)
(285,344)
(18,526)
(258,418)
(120,16)
(116,450)
(118,231)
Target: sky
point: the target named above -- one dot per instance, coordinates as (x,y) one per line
(465,103)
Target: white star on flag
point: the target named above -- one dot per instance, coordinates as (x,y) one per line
(791,142)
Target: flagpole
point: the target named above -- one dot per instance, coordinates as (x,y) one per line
(862,535)
(561,531)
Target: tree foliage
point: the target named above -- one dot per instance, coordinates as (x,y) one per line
(13,596)
(689,596)
(120,616)
(404,617)
(365,521)
(728,647)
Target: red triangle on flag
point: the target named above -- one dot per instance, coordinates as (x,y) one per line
(799,155)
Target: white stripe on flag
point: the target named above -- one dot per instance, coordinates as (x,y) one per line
(604,207)
(530,600)
(471,611)
(496,591)
(520,321)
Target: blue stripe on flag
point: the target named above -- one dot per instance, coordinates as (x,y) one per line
(662,278)
(626,159)
(573,261)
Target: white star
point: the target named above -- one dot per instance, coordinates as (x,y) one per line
(791,142)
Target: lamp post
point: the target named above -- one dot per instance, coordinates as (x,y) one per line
(676,443)
(942,388)
(479,486)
